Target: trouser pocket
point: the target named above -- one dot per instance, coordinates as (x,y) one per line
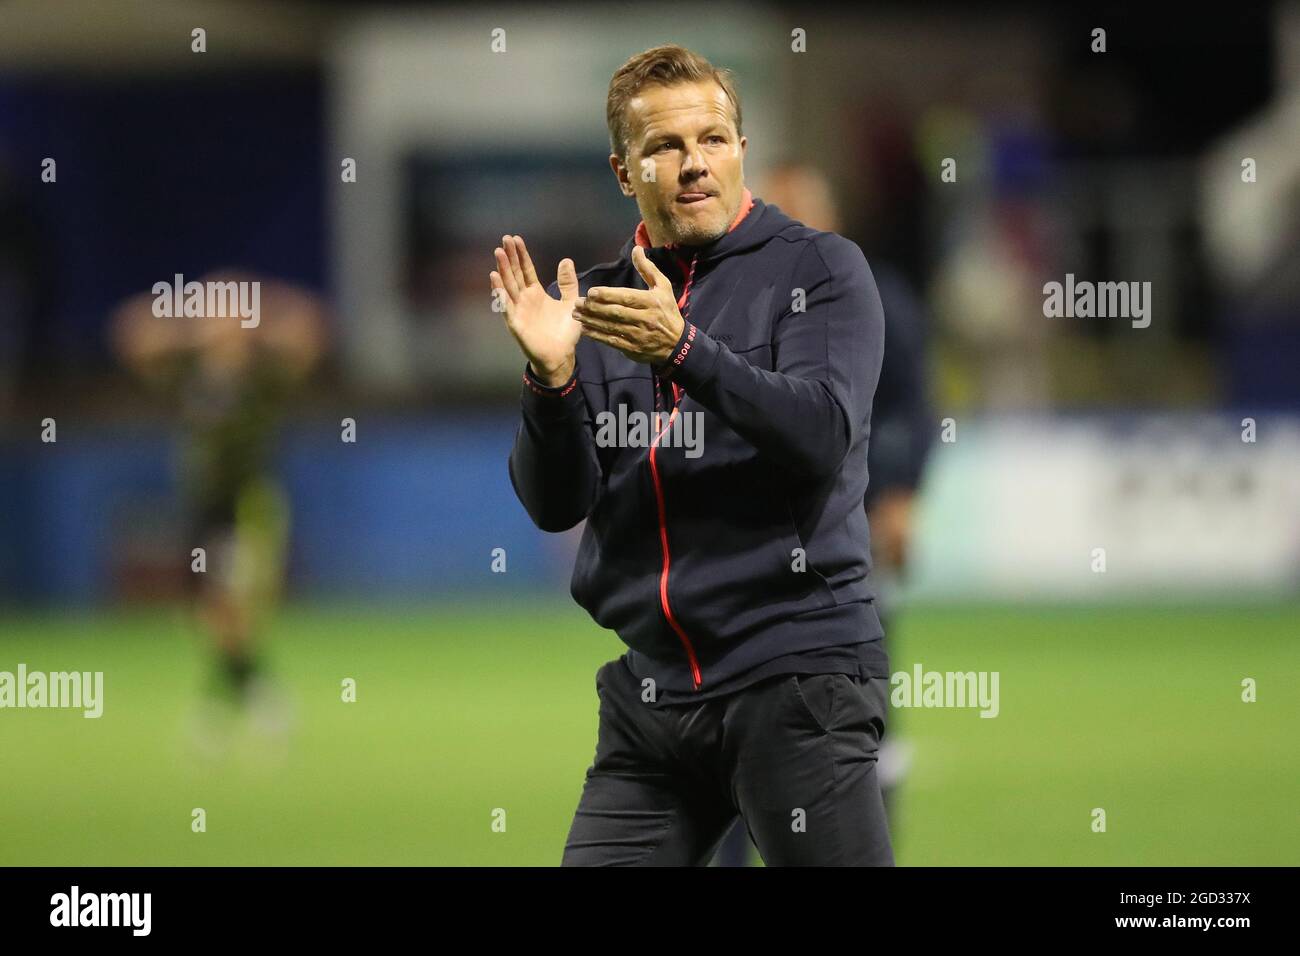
(816,696)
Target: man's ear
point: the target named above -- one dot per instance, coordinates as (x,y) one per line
(621,174)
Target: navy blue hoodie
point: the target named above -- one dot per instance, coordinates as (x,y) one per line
(710,564)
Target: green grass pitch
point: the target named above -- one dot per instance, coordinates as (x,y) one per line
(466,708)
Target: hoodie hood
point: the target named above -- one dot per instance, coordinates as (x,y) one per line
(755,224)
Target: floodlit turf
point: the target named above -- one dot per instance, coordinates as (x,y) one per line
(466,710)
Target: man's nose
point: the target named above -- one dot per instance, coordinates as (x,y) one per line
(694,165)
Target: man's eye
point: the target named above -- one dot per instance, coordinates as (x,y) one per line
(718,139)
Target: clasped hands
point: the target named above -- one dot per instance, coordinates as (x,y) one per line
(643,324)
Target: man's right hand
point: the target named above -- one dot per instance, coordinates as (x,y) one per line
(544,327)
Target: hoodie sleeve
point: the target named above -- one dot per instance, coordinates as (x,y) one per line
(553,464)
(816,403)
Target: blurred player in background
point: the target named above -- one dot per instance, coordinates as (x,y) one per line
(229,384)
(901,433)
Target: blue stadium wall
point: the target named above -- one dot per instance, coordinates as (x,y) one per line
(413,509)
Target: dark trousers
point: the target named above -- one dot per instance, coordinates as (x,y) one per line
(794,756)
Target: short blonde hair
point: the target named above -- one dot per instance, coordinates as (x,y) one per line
(665,65)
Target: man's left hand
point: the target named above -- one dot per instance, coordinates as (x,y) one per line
(643,324)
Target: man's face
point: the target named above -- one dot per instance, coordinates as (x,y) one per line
(685,162)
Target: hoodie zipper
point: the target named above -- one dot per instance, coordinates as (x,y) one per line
(683,307)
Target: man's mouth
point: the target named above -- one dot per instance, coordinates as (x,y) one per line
(693,197)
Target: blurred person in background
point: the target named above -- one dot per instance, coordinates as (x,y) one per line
(229,385)
(901,434)
(996,243)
